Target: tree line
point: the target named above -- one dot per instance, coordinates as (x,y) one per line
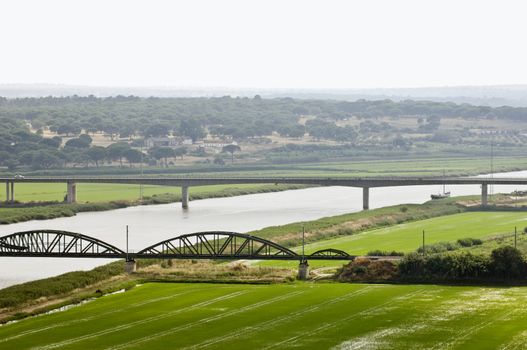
(237,118)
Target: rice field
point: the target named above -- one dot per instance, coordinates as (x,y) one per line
(299,315)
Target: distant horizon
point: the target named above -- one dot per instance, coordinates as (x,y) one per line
(242,87)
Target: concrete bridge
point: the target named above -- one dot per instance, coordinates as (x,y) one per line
(187,181)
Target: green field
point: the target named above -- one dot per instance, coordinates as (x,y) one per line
(88,192)
(408,237)
(303,315)
(403,166)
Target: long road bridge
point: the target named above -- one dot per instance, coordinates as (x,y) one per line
(200,245)
(187,181)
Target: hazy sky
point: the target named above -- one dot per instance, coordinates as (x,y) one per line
(284,43)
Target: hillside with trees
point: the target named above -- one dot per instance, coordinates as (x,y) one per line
(56,132)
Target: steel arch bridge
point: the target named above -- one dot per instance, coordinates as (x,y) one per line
(199,245)
(55,243)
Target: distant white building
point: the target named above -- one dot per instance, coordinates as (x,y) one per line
(217,144)
(166,142)
(214,145)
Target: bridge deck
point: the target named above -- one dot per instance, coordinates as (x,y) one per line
(321,181)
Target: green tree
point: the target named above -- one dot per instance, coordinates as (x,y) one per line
(192,128)
(96,154)
(78,143)
(156,130)
(133,156)
(162,153)
(180,152)
(231,149)
(116,151)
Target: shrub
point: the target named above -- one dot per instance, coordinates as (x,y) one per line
(444,266)
(507,262)
(469,242)
(368,270)
(439,247)
(378,252)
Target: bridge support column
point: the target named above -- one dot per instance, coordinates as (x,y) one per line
(7,192)
(303,270)
(12,200)
(184,197)
(365,198)
(484,194)
(130,266)
(72,192)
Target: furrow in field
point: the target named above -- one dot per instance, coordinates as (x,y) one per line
(328,325)
(451,310)
(139,322)
(246,331)
(519,341)
(377,338)
(90,318)
(205,320)
(467,332)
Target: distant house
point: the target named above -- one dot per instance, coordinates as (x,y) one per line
(214,145)
(166,142)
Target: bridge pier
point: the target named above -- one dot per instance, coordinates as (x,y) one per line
(72,192)
(365,198)
(10,192)
(484,194)
(130,266)
(184,197)
(303,270)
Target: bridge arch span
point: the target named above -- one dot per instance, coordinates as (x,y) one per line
(56,243)
(330,252)
(218,245)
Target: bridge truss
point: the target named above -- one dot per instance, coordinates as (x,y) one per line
(54,243)
(200,245)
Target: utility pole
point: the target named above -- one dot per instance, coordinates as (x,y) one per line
(303,242)
(141,184)
(491,162)
(127,243)
(424,251)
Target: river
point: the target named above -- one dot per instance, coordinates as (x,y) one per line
(154,223)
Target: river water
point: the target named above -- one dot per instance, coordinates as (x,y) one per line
(154,223)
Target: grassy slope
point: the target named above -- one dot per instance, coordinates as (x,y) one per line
(310,316)
(407,237)
(347,224)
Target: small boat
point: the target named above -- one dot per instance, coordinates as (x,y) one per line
(440,195)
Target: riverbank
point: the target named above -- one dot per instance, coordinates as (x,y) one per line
(340,231)
(38,296)
(33,211)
